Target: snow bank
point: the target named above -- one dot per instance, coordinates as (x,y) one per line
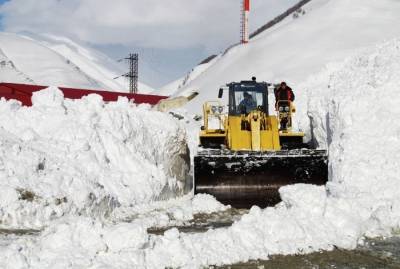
(358,121)
(85,156)
(205,203)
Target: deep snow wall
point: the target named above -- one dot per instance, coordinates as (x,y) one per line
(354,112)
(85,156)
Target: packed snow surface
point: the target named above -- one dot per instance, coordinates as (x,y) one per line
(352,106)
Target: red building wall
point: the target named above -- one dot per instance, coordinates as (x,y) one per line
(23,93)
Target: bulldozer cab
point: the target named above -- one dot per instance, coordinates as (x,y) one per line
(247,96)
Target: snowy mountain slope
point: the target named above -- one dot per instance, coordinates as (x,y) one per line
(8,70)
(172,87)
(50,60)
(295,11)
(91,62)
(296,48)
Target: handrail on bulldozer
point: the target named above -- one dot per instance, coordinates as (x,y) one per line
(285,114)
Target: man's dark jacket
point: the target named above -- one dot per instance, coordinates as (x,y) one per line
(284,94)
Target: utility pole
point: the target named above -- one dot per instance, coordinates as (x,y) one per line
(244,27)
(133,74)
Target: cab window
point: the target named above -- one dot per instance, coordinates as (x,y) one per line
(246,98)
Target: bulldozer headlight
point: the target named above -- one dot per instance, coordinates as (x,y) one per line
(280,109)
(287,109)
(220,109)
(214,109)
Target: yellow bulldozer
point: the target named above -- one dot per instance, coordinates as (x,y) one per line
(246,154)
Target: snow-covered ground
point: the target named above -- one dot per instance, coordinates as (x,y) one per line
(51,60)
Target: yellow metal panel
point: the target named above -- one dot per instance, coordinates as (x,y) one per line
(256,139)
(266,140)
(255,135)
(239,139)
(273,122)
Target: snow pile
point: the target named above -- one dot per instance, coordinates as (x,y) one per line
(84,156)
(205,203)
(358,121)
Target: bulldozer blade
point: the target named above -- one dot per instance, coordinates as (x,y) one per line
(244,179)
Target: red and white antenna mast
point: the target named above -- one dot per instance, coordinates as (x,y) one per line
(244,29)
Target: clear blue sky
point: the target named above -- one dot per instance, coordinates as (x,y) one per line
(1,25)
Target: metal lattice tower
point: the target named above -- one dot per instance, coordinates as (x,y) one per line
(244,23)
(133,74)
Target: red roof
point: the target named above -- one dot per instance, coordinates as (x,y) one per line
(23,93)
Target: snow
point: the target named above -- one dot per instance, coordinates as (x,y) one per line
(362,197)
(360,200)
(91,62)
(180,83)
(52,60)
(85,155)
(291,51)
(205,203)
